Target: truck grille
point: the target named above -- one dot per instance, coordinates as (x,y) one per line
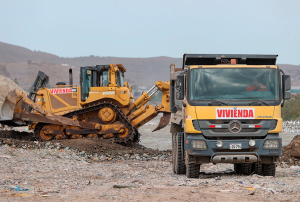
(247,121)
(234,138)
(226,130)
(240,150)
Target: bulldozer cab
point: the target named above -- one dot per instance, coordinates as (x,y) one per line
(100,76)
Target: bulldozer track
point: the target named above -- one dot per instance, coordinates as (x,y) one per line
(133,133)
(97,107)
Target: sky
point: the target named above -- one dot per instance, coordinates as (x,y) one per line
(150,28)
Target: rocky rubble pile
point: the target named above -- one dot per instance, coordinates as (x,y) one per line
(6,85)
(291,152)
(92,149)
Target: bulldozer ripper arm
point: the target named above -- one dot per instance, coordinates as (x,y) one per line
(164,87)
(149,113)
(164,121)
(142,114)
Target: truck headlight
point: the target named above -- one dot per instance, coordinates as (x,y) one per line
(271,144)
(252,143)
(219,144)
(199,144)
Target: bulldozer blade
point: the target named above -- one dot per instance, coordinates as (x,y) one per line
(164,120)
(8,107)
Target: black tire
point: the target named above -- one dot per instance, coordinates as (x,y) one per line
(173,151)
(257,168)
(192,170)
(243,168)
(269,169)
(237,169)
(179,164)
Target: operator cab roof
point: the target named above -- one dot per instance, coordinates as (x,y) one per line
(105,67)
(215,59)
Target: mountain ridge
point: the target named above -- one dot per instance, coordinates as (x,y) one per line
(24,64)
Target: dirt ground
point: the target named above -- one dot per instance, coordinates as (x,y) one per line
(53,175)
(91,146)
(100,170)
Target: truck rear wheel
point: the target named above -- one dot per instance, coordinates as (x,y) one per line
(243,168)
(178,161)
(269,169)
(257,168)
(192,170)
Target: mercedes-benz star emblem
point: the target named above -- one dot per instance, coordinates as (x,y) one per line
(235,126)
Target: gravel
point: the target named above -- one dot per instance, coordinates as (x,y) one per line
(51,172)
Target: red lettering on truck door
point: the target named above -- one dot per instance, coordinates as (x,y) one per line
(219,112)
(250,113)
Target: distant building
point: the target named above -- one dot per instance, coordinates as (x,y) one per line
(142,87)
(65,64)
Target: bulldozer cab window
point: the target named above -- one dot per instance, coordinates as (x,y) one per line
(120,78)
(86,83)
(105,78)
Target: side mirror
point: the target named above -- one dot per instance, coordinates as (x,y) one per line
(286,84)
(180,87)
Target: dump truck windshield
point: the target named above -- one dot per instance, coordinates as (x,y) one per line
(235,83)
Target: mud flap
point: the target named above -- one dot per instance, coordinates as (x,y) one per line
(163,121)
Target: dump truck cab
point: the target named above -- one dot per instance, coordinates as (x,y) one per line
(227,110)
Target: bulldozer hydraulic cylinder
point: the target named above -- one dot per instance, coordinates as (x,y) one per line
(163,86)
(140,99)
(137,113)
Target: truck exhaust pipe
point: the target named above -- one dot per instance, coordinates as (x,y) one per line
(70,77)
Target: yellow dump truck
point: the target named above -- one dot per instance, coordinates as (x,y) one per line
(227,109)
(102,105)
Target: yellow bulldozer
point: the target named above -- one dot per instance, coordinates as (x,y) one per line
(103,105)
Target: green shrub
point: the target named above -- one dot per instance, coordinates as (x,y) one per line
(291,109)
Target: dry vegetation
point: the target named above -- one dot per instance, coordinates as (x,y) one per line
(291,109)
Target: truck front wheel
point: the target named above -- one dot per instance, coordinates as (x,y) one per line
(178,155)
(269,169)
(242,168)
(173,151)
(257,168)
(192,170)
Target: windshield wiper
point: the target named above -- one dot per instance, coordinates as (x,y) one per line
(216,101)
(254,98)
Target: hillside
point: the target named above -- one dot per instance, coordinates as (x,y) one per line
(14,54)
(23,64)
(293,71)
(14,61)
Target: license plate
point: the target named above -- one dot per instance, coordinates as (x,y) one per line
(235,146)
